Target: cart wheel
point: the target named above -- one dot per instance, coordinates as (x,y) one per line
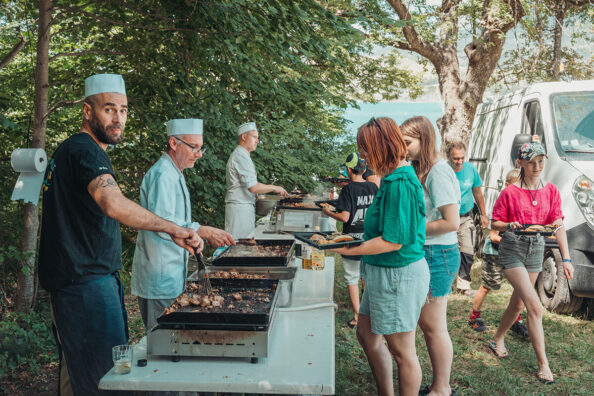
(175,358)
(254,360)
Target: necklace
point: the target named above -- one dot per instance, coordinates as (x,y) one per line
(534,201)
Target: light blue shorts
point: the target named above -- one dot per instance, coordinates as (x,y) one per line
(444,262)
(393,297)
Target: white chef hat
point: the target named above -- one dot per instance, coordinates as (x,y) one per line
(248,126)
(101,83)
(185,126)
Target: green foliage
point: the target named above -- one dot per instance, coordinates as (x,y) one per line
(293,67)
(530,60)
(26,342)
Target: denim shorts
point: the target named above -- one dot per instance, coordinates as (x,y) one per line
(521,251)
(444,262)
(393,297)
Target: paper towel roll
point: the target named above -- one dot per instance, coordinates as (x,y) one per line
(31,164)
(28,160)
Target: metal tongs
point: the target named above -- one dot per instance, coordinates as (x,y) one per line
(204,281)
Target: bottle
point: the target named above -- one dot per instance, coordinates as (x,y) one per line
(306,251)
(317,259)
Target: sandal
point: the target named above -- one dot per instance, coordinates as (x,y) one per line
(546,378)
(352,323)
(501,354)
(426,390)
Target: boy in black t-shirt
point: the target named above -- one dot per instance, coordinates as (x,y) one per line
(353,201)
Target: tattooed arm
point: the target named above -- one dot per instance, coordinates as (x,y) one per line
(106,192)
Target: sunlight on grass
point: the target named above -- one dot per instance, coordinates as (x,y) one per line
(476,370)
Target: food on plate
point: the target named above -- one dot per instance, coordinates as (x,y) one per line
(234,274)
(237,296)
(217,301)
(256,251)
(541,228)
(183,300)
(221,300)
(333,238)
(342,238)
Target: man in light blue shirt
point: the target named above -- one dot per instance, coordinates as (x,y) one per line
(243,185)
(159,268)
(470,189)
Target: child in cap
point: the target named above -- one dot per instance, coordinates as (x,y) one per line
(353,201)
(492,276)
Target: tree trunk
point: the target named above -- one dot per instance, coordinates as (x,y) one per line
(557,37)
(26,280)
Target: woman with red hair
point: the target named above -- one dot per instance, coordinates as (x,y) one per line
(393,264)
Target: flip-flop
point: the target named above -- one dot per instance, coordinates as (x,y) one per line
(498,353)
(351,323)
(545,381)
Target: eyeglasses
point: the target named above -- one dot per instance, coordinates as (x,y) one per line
(195,149)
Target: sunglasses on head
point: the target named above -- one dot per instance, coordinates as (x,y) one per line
(373,121)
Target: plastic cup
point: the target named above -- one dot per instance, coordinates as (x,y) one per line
(122,358)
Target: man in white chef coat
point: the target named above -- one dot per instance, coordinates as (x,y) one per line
(159,268)
(243,185)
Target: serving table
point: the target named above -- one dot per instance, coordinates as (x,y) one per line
(300,360)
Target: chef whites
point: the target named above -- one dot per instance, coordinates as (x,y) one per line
(159,267)
(243,185)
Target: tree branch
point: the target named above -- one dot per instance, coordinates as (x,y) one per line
(61,103)
(415,42)
(81,53)
(141,27)
(517,13)
(17,48)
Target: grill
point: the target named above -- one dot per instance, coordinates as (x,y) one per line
(241,332)
(249,255)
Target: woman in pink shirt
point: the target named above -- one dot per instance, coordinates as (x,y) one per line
(527,201)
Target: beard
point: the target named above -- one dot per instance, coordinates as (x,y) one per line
(101,134)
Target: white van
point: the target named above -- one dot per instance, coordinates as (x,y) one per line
(561,114)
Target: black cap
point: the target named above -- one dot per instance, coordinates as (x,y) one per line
(141,362)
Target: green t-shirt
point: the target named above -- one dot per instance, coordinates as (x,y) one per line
(397,215)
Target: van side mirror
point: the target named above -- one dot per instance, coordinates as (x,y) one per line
(519,141)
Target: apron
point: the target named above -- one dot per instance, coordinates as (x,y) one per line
(240,219)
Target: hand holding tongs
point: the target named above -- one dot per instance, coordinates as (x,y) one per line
(204,281)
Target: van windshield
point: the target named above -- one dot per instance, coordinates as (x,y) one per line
(573,120)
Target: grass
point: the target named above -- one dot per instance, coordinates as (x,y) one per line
(476,371)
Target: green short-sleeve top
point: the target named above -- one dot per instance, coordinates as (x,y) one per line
(397,215)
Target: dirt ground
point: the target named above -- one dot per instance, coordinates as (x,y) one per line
(46,382)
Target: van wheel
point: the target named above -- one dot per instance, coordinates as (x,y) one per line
(552,286)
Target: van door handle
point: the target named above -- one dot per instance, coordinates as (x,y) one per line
(499,184)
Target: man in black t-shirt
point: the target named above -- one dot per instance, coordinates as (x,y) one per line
(80,247)
(353,201)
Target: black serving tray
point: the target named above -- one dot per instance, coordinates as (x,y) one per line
(226,258)
(332,202)
(543,233)
(304,237)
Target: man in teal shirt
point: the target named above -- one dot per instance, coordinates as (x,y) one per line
(470,189)
(159,268)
